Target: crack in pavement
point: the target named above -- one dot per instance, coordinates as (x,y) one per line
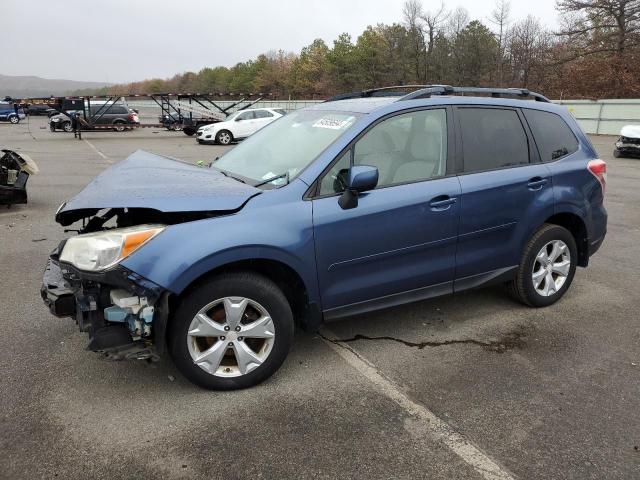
(482,463)
(507,342)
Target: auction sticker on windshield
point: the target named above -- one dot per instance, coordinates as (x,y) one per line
(333,123)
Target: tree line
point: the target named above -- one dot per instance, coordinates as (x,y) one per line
(593,54)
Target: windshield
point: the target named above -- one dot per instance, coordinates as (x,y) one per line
(286,147)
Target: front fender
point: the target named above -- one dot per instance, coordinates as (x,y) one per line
(263,230)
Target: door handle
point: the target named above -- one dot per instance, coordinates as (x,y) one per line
(442,202)
(536,183)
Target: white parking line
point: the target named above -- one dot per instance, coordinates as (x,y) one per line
(97,151)
(440,430)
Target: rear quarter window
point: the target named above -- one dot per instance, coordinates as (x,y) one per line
(552,135)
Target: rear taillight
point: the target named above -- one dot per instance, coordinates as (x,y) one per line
(599,170)
(131,116)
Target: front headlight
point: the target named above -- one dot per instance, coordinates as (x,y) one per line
(98,251)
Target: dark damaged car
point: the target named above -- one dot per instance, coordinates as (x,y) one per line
(343,208)
(15,169)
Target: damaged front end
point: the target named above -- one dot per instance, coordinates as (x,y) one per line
(628,144)
(14,172)
(124,314)
(121,210)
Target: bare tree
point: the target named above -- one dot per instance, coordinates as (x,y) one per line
(458,19)
(413,13)
(614,25)
(433,22)
(602,26)
(500,18)
(528,47)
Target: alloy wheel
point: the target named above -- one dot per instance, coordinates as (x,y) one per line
(224,138)
(551,268)
(231,337)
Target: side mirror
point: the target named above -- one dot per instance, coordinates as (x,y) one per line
(361,178)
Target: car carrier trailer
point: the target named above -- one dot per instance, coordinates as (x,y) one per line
(179,111)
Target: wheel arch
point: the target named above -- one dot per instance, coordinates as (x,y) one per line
(306,311)
(224,129)
(576,225)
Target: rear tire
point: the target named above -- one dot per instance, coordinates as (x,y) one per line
(189,131)
(208,299)
(119,127)
(547,267)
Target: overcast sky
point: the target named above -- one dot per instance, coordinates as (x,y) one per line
(127,40)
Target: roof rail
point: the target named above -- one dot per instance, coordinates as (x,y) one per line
(393,91)
(426,91)
(493,92)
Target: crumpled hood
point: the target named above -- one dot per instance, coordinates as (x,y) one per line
(146,180)
(631,131)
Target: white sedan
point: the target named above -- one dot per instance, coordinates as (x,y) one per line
(238,125)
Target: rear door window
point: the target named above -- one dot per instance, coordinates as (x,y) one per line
(492,138)
(553,136)
(263,114)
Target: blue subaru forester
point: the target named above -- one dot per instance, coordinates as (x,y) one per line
(356,204)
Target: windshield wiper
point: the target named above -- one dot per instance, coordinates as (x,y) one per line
(273,179)
(226,174)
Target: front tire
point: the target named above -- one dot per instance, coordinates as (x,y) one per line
(234,331)
(617,153)
(224,137)
(547,267)
(14,119)
(67,127)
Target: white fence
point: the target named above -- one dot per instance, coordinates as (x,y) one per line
(605,117)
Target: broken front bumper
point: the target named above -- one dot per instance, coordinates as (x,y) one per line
(56,293)
(628,145)
(124,314)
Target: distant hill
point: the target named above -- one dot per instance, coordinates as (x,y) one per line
(30,86)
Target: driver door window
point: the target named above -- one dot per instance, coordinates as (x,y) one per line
(406,148)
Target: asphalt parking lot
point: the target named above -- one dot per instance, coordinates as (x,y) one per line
(550,393)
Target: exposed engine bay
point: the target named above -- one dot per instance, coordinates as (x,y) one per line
(123,313)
